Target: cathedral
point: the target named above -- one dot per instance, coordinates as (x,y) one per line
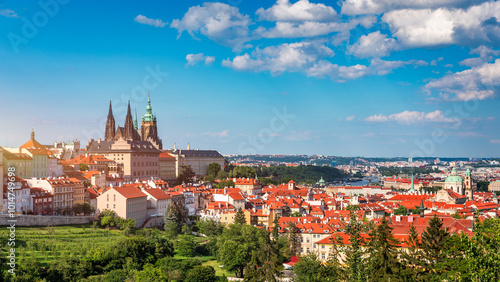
(130,131)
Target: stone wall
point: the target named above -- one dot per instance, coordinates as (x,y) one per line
(44,220)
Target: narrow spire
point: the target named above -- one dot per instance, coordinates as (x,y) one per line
(412,187)
(135,120)
(110,125)
(422,208)
(32,134)
(110,113)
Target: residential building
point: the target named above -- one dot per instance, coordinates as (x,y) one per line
(61,188)
(127,202)
(22,163)
(167,166)
(41,201)
(158,201)
(21,194)
(197,159)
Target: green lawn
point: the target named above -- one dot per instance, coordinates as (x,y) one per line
(219,271)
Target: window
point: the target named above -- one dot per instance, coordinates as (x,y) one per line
(307,239)
(107,206)
(323,256)
(107,196)
(322,246)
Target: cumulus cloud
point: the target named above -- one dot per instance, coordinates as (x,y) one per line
(350,118)
(444,26)
(291,57)
(408,117)
(485,56)
(219,22)
(152,22)
(312,28)
(193,59)
(325,68)
(301,10)
(359,7)
(477,83)
(8,13)
(374,44)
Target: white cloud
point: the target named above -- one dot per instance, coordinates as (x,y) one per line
(219,22)
(374,44)
(193,59)
(224,133)
(152,22)
(312,28)
(291,57)
(8,13)
(301,135)
(324,68)
(350,118)
(485,55)
(477,83)
(359,7)
(444,26)
(495,141)
(408,117)
(301,10)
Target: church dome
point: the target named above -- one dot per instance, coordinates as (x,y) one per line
(453,177)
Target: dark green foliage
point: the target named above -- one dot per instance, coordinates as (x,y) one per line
(401,210)
(482,186)
(266,263)
(186,246)
(434,243)
(302,174)
(84,167)
(213,169)
(226,183)
(239,218)
(310,269)
(186,174)
(176,270)
(69,269)
(383,263)
(210,227)
(109,219)
(172,218)
(201,274)
(292,235)
(236,246)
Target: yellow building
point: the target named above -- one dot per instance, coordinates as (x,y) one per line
(20,161)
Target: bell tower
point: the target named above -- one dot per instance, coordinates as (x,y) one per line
(149,130)
(468,184)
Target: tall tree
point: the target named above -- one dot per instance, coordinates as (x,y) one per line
(186,175)
(213,169)
(265,264)
(412,257)
(384,264)
(292,234)
(434,243)
(239,218)
(354,253)
(276,227)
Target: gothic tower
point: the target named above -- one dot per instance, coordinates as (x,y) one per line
(109,134)
(149,131)
(129,132)
(468,184)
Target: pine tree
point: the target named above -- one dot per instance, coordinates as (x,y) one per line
(354,253)
(276,226)
(264,265)
(412,257)
(384,264)
(292,234)
(434,244)
(239,218)
(170,219)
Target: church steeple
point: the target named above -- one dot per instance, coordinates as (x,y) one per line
(32,134)
(129,125)
(110,125)
(135,120)
(148,116)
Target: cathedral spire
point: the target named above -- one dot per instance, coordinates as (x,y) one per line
(110,125)
(135,120)
(129,125)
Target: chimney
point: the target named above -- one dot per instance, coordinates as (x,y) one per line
(99,140)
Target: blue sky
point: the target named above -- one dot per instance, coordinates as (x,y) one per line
(350,77)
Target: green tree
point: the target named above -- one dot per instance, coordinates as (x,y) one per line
(384,264)
(292,234)
(354,253)
(276,227)
(201,274)
(213,169)
(265,264)
(239,218)
(296,214)
(210,227)
(236,245)
(84,167)
(434,243)
(226,183)
(186,229)
(310,269)
(186,246)
(150,274)
(29,270)
(401,210)
(186,175)
(172,219)
(412,258)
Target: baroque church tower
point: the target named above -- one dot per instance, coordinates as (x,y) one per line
(109,134)
(468,185)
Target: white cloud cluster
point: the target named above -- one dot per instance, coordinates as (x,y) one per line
(193,59)
(224,133)
(152,22)
(8,13)
(360,7)
(291,57)
(443,26)
(477,83)
(485,56)
(301,10)
(408,117)
(219,22)
(342,73)
(374,44)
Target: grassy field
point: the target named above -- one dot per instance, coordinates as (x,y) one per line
(47,244)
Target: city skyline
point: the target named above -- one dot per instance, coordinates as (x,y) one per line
(299,77)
